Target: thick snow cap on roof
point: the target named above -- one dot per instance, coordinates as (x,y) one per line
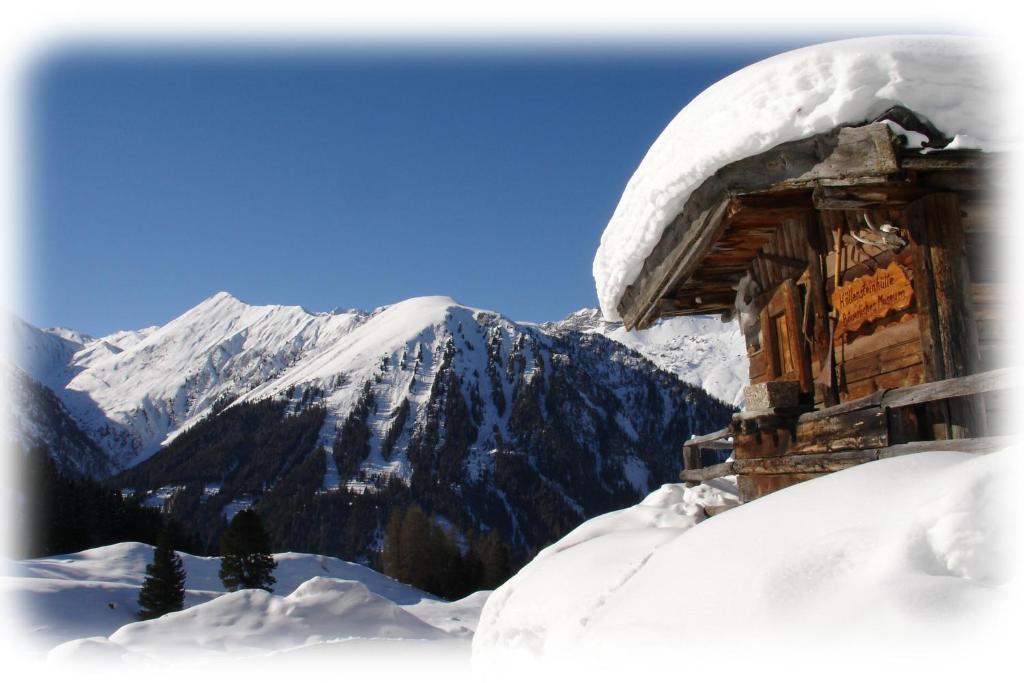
(949,80)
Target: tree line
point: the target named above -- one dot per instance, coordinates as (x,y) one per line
(245,563)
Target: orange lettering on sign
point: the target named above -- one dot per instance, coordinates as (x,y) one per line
(871,297)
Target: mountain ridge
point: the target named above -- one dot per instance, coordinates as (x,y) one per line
(328,423)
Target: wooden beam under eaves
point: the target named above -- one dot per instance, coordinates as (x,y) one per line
(844,156)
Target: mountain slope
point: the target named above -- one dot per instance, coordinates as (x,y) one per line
(175,374)
(699,349)
(329,422)
(37,417)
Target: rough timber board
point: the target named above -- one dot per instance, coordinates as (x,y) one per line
(843,154)
(754,486)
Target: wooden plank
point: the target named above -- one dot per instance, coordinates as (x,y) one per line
(859,197)
(713,436)
(892,334)
(928,321)
(895,379)
(676,266)
(691,460)
(717,445)
(768,342)
(797,345)
(791,464)
(981,217)
(889,359)
(783,260)
(850,406)
(767,412)
(833,462)
(703,474)
(951,160)
(859,152)
(821,347)
(989,294)
(979,445)
(754,486)
(867,428)
(993,380)
(952,279)
(935,225)
(757,367)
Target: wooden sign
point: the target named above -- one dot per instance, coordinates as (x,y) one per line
(871,297)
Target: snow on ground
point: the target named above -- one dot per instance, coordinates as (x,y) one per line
(914,549)
(95,592)
(909,555)
(254,622)
(549,602)
(458,618)
(950,80)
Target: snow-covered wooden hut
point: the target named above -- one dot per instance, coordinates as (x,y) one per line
(838,202)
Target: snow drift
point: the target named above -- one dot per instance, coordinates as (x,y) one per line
(95,592)
(251,622)
(916,547)
(788,97)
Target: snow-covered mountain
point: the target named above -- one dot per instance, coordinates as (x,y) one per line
(38,418)
(489,423)
(134,391)
(699,349)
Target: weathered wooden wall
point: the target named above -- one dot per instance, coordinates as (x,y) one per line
(985,236)
(884,354)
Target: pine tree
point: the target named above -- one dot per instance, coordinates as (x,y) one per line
(245,560)
(418,551)
(163,590)
(494,558)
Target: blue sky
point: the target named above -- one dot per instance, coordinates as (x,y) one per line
(338,179)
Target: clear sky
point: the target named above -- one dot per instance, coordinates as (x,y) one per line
(338,179)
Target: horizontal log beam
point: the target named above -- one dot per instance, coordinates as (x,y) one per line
(866,196)
(717,445)
(713,472)
(713,436)
(977,445)
(979,383)
(804,464)
(869,401)
(823,463)
(951,161)
(783,260)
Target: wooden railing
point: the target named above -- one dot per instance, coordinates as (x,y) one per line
(993,380)
(716,441)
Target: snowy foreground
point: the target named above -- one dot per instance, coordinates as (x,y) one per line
(892,559)
(88,599)
(909,558)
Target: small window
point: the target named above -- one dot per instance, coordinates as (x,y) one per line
(784,347)
(783,360)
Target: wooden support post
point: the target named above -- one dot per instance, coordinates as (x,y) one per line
(821,349)
(691,460)
(949,333)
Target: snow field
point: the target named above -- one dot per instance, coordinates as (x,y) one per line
(93,593)
(892,559)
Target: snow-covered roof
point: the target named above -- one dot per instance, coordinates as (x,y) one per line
(949,80)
